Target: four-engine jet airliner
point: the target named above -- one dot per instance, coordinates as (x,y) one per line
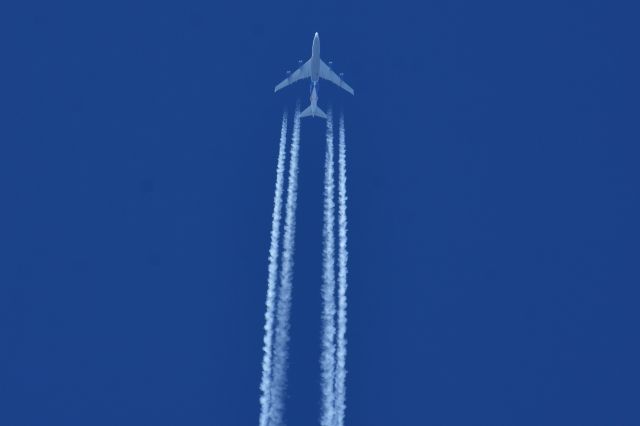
(314,69)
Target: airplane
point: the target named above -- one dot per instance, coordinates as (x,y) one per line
(314,69)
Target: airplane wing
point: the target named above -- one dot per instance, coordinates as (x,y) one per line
(303,72)
(328,74)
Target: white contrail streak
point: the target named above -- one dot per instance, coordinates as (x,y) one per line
(286,276)
(274,248)
(341,371)
(327,359)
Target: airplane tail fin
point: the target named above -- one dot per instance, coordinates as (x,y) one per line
(317,113)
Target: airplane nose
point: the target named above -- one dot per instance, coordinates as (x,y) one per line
(316,36)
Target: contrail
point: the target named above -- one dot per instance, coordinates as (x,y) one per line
(341,371)
(327,359)
(286,275)
(265,383)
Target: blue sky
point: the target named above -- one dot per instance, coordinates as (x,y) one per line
(493,205)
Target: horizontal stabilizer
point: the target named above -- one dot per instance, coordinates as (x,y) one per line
(317,112)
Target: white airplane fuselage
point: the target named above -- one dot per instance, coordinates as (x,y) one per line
(315,60)
(313,109)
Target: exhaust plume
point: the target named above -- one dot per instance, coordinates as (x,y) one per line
(286,276)
(274,248)
(341,371)
(327,358)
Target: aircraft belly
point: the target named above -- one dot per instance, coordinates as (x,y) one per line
(315,70)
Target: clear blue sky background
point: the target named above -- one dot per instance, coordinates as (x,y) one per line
(494,203)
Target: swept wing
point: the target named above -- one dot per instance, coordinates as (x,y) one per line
(328,74)
(303,72)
